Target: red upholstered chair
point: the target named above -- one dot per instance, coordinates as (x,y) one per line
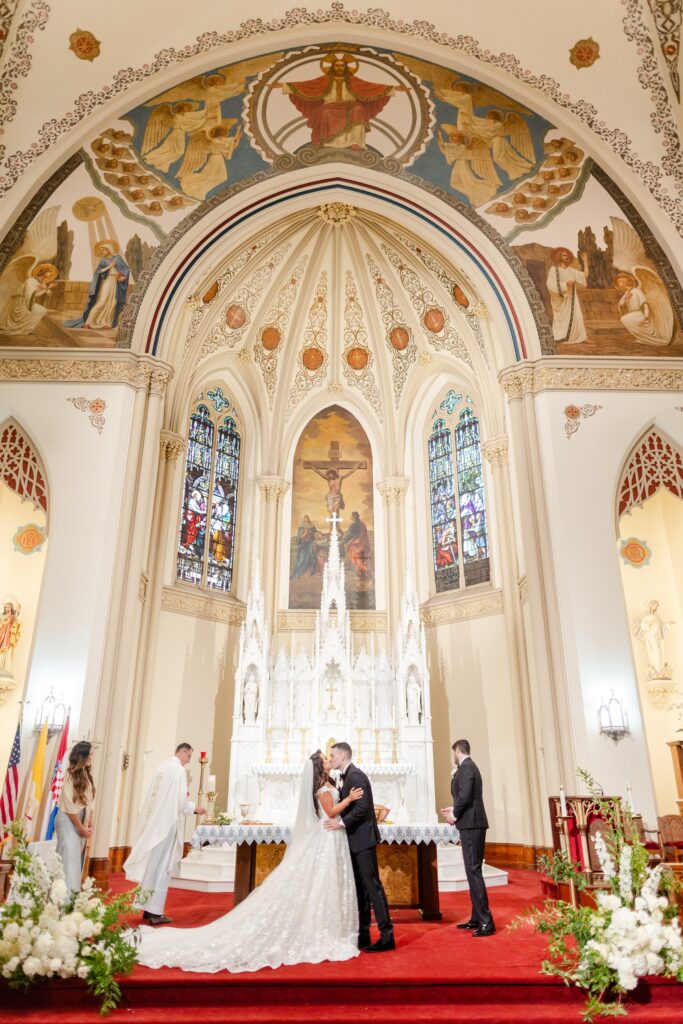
(671,831)
(650,838)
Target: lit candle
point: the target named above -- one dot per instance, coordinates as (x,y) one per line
(212,784)
(202,755)
(563,803)
(629,798)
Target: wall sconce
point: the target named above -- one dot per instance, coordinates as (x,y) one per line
(53,713)
(612,719)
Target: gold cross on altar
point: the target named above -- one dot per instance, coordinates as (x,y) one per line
(331,689)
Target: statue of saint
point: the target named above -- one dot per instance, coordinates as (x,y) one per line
(250,699)
(414,700)
(10,631)
(650,629)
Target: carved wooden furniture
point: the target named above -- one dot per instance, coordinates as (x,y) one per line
(671,831)
(676,748)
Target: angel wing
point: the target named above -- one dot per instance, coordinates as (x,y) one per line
(520,136)
(40,240)
(13,277)
(441,78)
(660,305)
(485,96)
(482,163)
(628,250)
(194,89)
(196,154)
(236,74)
(159,125)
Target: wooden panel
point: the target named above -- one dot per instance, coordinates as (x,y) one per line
(398,870)
(268,856)
(514,855)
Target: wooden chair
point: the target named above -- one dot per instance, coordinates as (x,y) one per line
(653,844)
(671,831)
(5,877)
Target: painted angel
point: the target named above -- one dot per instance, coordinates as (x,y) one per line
(645,309)
(472,172)
(206,158)
(192,107)
(30,277)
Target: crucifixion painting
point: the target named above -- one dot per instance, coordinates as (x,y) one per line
(332,480)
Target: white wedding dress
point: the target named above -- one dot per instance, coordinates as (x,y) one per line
(304,912)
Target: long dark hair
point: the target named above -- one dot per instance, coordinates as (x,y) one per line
(320,777)
(78,771)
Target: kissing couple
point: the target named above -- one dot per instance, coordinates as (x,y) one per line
(315,905)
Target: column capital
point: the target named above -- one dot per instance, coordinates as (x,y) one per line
(393,488)
(273,488)
(496,450)
(171,445)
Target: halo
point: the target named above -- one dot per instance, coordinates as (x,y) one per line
(331,58)
(625,274)
(110,244)
(556,253)
(40,267)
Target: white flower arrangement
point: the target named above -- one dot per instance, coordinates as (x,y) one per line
(632,933)
(46,933)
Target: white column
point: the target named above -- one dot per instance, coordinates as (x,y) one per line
(273,489)
(393,490)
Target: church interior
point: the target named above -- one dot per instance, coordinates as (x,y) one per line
(341,361)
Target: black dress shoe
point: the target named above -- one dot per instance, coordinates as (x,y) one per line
(364,941)
(157,919)
(468,924)
(383,945)
(481,933)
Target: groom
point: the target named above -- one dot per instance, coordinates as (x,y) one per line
(363,835)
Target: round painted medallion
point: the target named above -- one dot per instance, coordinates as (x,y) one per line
(399,338)
(357,358)
(235,317)
(270,338)
(312,358)
(433,320)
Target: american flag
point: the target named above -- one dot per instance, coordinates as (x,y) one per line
(10,791)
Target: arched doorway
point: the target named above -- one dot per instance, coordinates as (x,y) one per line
(650,531)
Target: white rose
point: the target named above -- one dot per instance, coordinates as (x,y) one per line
(12,964)
(83,971)
(55,963)
(11,931)
(31,965)
(58,891)
(86,929)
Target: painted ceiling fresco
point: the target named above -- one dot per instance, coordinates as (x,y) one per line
(75,259)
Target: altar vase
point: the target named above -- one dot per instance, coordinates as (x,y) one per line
(158,849)
(74,814)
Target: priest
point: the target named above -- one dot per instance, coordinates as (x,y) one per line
(159,846)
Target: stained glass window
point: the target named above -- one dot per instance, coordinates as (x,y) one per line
(458,503)
(206,543)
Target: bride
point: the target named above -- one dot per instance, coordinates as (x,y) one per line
(304,912)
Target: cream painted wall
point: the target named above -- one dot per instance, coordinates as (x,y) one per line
(581,476)
(471,694)
(21,576)
(660,523)
(85,473)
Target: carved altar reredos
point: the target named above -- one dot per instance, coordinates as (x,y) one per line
(286,706)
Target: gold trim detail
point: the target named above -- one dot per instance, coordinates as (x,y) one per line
(143,373)
(523,586)
(475,607)
(533,379)
(304,621)
(142,586)
(273,488)
(171,446)
(393,489)
(496,450)
(200,607)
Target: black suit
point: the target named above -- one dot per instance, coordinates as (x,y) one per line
(471,822)
(363,835)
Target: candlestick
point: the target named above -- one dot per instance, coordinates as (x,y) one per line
(563,803)
(629,798)
(212,784)
(269,746)
(210,818)
(377,761)
(359,745)
(203,761)
(394,746)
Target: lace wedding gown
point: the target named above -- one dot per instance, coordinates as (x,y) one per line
(304,912)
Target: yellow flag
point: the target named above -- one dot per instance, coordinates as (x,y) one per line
(35,786)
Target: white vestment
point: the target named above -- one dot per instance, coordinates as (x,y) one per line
(568,322)
(158,849)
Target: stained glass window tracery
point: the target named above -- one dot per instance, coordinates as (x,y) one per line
(208,518)
(458,502)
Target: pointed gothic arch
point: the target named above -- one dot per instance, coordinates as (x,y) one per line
(21,466)
(655,461)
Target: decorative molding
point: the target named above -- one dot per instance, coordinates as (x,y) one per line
(496,450)
(171,446)
(143,373)
(574,414)
(634,26)
(273,488)
(523,588)
(532,379)
(84,45)
(142,586)
(667,16)
(199,606)
(393,489)
(21,467)
(584,53)
(304,621)
(336,213)
(468,607)
(95,407)
(19,58)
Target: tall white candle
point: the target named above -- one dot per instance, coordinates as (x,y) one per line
(212,784)
(629,798)
(563,803)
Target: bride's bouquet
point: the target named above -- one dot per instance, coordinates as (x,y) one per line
(45,933)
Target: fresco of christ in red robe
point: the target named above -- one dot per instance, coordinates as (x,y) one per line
(338,106)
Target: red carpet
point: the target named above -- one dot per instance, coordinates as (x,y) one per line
(436,974)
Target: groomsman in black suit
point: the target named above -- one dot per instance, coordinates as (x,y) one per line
(469,817)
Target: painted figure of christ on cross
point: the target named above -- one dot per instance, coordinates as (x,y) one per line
(331,471)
